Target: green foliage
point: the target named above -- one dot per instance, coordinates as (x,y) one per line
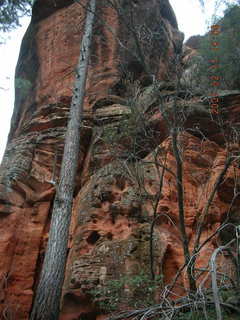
(224,61)
(131,134)
(11,11)
(108,297)
(24,85)
(196,315)
(199,315)
(135,291)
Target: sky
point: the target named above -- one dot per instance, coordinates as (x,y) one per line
(8,59)
(192,20)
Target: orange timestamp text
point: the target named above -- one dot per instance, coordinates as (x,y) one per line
(213,68)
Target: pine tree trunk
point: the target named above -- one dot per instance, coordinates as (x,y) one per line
(48,295)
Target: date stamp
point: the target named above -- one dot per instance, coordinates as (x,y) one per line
(214,67)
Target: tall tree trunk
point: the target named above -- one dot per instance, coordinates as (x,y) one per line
(48,295)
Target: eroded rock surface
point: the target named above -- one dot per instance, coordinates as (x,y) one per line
(110,225)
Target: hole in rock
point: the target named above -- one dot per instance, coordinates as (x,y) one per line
(71,303)
(106,196)
(134,249)
(119,89)
(109,236)
(120,182)
(164,209)
(93,237)
(135,2)
(104,102)
(88,316)
(135,68)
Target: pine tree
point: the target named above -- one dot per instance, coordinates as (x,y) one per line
(47,300)
(11,11)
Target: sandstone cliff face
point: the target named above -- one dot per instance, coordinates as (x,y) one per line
(110,228)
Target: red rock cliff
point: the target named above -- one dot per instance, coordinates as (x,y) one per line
(109,230)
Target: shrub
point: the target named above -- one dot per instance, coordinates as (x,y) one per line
(135,291)
(226,58)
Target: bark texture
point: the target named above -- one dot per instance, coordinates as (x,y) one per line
(47,300)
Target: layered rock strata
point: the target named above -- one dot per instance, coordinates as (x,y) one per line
(110,226)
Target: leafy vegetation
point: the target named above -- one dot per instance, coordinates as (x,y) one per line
(198,315)
(220,53)
(199,301)
(24,85)
(11,11)
(136,291)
